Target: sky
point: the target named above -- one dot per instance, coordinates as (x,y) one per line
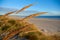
(50,6)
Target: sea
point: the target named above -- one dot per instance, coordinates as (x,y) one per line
(51,17)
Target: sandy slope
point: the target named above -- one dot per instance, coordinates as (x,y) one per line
(50,26)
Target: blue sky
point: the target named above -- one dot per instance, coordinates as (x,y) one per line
(50,6)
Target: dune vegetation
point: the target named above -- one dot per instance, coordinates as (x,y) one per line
(10,27)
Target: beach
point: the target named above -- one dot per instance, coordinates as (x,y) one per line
(48,26)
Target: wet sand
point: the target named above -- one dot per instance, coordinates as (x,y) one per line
(50,26)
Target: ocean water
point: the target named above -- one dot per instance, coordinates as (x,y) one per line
(49,17)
